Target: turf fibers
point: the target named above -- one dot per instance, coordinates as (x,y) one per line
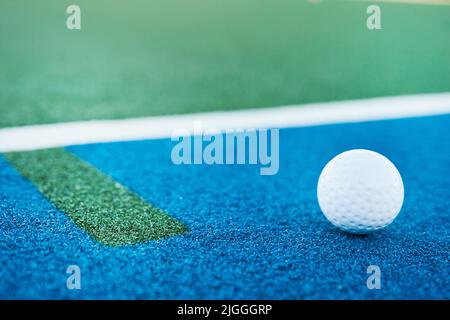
(104,208)
(250,236)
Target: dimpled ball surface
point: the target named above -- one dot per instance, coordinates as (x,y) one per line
(360,191)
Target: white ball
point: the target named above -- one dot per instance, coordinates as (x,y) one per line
(360,191)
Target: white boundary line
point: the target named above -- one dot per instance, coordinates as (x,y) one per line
(85,132)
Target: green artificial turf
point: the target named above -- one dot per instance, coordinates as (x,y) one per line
(139,58)
(105,209)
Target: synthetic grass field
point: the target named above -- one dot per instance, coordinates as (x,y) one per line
(143,58)
(140,227)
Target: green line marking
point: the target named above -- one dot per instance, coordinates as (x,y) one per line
(110,213)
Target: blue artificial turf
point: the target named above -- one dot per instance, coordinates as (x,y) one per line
(250,236)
